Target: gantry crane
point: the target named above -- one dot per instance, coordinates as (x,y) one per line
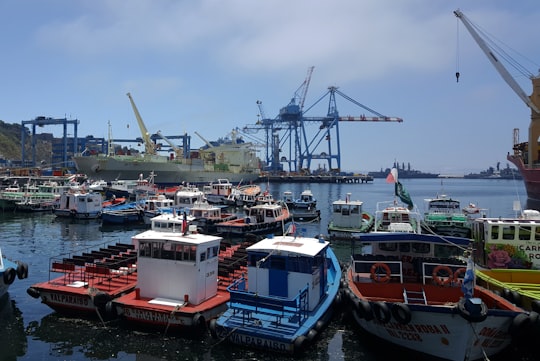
(287,137)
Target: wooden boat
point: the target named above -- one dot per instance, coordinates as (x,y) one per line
(156,205)
(88,280)
(444,216)
(9,271)
(508,257)
(306,215)
(78,204)
(125,213)
(219,191)
(288,297)
(348,220)
(416,291)
(197,267)
(207,216)
(260,219)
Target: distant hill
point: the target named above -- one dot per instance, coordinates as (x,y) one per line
(10,143)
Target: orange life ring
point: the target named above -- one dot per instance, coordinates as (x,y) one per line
(457,275)
(377,277)
(439,279)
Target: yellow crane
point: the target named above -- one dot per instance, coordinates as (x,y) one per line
(149,146)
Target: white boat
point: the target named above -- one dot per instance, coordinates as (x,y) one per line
(219,191)
(416,291)
(79,205)
(288,297)
(261,219)
(391,216)
(187,195)
(348,219)
(207,216)
(306,200)
(444,216)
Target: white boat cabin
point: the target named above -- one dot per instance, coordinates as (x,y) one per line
(396,218)
(177,268)
(205,210)
(80,202)
(219,190)
(508,242)
(282,266)
(171,222)
(347,213)
(264,213)
(187,196)
(153,203)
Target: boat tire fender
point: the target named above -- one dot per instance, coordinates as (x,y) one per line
(101,299)
(446,276)
(535,306)
(22,270)
(516,298)
(110,309)
(212,328)
(33,292)
(377,277)
(401,313)
(470,312)
(199,324)
(519,326)
(381,311)
(364,310)
(9,275)
(300,344)
(311,335)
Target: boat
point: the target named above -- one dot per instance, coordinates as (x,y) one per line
(306,200)
(288,199)
(207,216)
(89,279)
(306,215)
(245,195)
(231,159)
(405,172)
(187,195)
(287,298)
(508,257)
(78,204)
(348,220)
(184,285)
(124,213)
(9,271)
(416,291)
(444,216)
(219,191)
(260,219)
(156,205)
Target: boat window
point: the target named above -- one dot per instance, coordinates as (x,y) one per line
(278,263)
(509,232)
(337,208)
(419,247)
(525,233)
(446,251)
(179,252)
(144,249)
(388,246)
(345,211)
(495,232)
(355,210)
(405,247)
(537,234)
(202,257)
(167,252)
(156,250)
(213,252)
(192,253)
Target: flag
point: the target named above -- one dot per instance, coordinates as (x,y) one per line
(184,223)
(291,229)
(403,195)
(468,280)
(392,177)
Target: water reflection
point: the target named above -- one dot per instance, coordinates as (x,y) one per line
(12,337)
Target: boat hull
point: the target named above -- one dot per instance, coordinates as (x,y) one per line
(167,172)
(531,177)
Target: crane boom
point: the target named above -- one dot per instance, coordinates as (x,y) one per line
(495,61)
(176,150)
(148,144)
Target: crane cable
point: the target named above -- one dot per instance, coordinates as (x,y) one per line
(457,50)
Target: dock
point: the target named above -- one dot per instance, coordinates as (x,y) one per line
(357,178)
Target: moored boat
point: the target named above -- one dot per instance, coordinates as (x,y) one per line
(306,200)
(348,220)
(78,204)
(9,271)
(184,285)
(444,216)
(416,291)
(260,219)
(207,216)
(288,297)
(88,280)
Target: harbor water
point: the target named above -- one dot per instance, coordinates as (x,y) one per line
(30,330)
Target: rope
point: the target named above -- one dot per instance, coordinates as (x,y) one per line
(486,358)
(176,308)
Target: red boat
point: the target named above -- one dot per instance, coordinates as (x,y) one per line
(88,281)
(182,281)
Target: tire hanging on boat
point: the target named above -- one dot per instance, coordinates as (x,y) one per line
(381,311)
(9,275)
(199,324)
(472,312)
(401,313)
(22,270)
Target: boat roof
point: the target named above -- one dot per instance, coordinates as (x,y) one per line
(345,202)
(191,238)
(305,246)
(374,237)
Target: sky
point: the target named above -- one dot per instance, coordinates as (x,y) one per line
(201,66)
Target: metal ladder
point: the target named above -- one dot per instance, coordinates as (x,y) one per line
(414,296)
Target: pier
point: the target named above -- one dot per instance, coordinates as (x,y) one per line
(357,178)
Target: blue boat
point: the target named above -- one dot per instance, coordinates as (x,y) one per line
(294,286)
(9,271)
(126,213)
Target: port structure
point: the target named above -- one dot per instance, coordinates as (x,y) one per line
(289,140)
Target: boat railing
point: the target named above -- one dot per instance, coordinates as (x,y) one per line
(363,268)
(242,300)
(454,272)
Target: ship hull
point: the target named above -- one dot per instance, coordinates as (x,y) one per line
(531,177)
(167,172)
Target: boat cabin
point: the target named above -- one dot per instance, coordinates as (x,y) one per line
(219,190)
(153,203)
(187,196)
(283,266)
(176,269)
(346,213)
(79,202)
(396,218)
(264,213)
(306,200)
(171,222)
(508,242)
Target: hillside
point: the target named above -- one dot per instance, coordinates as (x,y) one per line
(10,143)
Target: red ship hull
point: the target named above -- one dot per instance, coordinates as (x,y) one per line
(531,177)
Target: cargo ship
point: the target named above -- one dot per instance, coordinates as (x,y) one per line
(404,172)
(231,159)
